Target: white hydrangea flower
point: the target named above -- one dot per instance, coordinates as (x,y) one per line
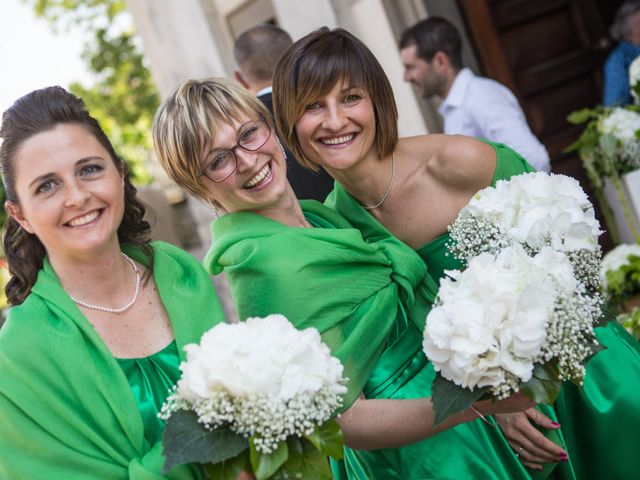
(262,378)
(618,257)
(260,356)
(537,209)
(489,325)
(622,123)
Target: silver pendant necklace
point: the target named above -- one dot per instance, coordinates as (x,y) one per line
(386,194)
(121,309)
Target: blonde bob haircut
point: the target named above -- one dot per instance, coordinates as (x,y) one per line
(311,67)
(188,120)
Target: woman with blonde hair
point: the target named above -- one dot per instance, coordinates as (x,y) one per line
(302,260)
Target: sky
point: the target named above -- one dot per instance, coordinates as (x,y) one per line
(33,56)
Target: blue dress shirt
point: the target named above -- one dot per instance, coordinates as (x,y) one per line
(616,74)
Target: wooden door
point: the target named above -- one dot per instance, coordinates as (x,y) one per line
(550,54)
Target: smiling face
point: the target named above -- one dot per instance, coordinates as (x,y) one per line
(337,130)
(423,75)
(71,195)
(260,178)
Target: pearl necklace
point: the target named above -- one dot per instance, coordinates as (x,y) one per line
(121,309)
(384,197)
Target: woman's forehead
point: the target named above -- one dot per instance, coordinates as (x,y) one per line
(224,130)
(326,85)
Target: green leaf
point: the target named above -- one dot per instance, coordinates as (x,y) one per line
(328,439)
(573,147)
(185,440)
(292,468)
(594,350)
(449,398)
(544,385)
(609,313)
(580,116)
(264,466)
(229,469)
(121,95)
(305,461)
(609,144)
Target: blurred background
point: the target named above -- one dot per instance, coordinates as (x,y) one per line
(122,57)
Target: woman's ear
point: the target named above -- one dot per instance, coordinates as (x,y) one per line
(121,172)
(15,212)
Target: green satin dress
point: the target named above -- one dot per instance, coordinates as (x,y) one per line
(359,296)
(601,421)
(473,450)
(150,379)
(67,408)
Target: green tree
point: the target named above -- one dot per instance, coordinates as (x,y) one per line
(123,98)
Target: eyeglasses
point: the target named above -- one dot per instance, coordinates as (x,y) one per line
(252,137)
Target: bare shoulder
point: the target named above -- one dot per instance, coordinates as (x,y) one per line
(455,161)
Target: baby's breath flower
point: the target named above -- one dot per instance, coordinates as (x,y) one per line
(262,379)
(533,265)
(504,314)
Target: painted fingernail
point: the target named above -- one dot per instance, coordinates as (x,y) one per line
(556,424)
(563,458)
(538,467)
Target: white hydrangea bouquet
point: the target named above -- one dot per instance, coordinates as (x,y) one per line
(256,396)
(609,148)
(620,274)
(534,210)
(521,316)
(610,142)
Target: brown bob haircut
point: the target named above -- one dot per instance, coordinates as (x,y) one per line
(311,67)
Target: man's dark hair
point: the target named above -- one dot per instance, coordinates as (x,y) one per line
(258,49)
(435,34)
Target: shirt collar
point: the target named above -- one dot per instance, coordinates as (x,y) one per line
(458,89)
(264,91)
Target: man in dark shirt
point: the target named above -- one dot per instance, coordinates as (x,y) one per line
(257,52)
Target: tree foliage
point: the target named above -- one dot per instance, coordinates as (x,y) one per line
(123,97)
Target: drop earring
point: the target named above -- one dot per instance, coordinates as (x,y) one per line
(214,207)
(284,153)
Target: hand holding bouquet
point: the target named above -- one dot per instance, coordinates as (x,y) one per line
(256,396)
(521,316)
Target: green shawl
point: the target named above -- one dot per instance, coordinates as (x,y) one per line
(327,278)
(66,408)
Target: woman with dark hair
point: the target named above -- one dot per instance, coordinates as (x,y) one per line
(626,31)
(94,339)
(335,110)
(303,260)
